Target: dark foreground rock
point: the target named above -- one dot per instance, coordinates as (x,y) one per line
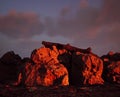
(9,67)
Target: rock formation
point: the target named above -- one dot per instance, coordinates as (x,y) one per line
(44,69)
(83,66)
(111,67)
(86,69)
(9,67)
(60,64)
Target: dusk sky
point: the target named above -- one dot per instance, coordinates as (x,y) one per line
(82,23)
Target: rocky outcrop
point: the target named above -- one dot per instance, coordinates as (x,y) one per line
(9,67)
(44,69)
(83,66)
(86,69)
(111,67)
(55,64)
(59,64)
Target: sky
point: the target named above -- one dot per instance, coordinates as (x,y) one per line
(24,24)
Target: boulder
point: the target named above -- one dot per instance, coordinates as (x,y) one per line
(83,69)
(111,71)
(44,69)
(9,67)
(86,69)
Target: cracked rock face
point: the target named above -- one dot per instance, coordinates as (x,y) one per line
(111,67)
(45,69)
(86,69)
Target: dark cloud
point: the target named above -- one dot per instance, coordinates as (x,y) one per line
(92,26)
(87,21)
(20,25)
(110,11)
(65,11)
(109,20)
(84,3)
(17,30)
(106,32)
(73,23)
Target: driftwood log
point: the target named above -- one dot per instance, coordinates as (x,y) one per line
(66,46)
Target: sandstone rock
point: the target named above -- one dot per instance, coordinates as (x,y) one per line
(58,64)
(86,69)
(113,74)
(45,69)
(111,67)
(38,55)
(83,66)
(83,69)
(9,67)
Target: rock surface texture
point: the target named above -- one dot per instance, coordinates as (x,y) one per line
(86,69)
(111,67)
(44,69)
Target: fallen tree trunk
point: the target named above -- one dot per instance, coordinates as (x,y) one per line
(66,46)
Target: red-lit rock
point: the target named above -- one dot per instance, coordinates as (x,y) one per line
(111,67)
(113,74)
(59,64)
(83,66)
(45,69)
(86,69)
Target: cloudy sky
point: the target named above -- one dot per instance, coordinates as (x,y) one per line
(82,23)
